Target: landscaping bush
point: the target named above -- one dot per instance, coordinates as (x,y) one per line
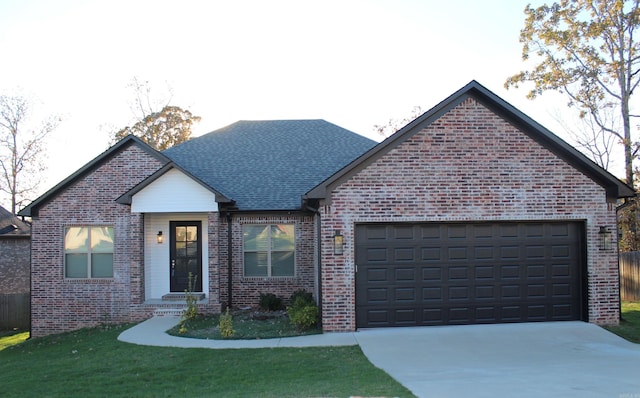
(226,325)
(303,294)
(270,302)
(303,312)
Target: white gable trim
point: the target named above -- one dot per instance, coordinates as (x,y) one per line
(173,192)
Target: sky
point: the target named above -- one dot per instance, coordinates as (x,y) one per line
(355,63)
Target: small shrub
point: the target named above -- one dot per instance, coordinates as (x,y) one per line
(303,314)
(302,294)
(226,325)
(270,302)
(191,312)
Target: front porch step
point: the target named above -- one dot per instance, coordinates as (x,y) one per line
(182,296)
(168,311)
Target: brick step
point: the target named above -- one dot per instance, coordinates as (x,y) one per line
(168,311)
(182,296)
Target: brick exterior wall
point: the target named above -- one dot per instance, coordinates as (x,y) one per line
(468,165)
(246,290)
(60,304)
(14,264)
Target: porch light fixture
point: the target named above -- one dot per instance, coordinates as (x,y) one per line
(338,242)
(159,238)
(605,238)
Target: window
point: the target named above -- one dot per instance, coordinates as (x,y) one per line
(88,252)
(269,250)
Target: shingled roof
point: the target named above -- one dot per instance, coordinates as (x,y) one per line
(269,165)
(12,226)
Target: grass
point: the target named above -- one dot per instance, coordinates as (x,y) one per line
(245,326)
(629,327)
(91,362)
(10,338)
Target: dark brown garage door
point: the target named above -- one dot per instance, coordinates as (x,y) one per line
(449,274)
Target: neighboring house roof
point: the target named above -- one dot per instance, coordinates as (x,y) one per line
(269,165)
(32,209)
(614,187)
(12,226)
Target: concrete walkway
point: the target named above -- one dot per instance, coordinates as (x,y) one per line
(550,359)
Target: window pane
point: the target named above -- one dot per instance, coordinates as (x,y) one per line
(102,239)
(76,240)
(181,249)
(75,265)
(192,249)
(256,237)
(282,237)
(181,234)
(102,265)
(192,233)
(282,264)
(255,264)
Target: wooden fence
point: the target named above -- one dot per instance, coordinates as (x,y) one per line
(15,311)
(630,276)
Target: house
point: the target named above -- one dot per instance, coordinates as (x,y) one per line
(14,253)
(472,213)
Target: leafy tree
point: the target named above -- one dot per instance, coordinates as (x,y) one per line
(170,126)
(162,129)
(586,49)
(21,149)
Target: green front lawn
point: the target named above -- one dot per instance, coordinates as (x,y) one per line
(91,362)
(629,327)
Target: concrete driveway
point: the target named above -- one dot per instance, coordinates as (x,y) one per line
(554,359)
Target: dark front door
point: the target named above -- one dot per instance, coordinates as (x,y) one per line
(186,255)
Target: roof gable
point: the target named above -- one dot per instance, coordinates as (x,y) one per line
(161,174)
(614,187)
(32,209)
(269,165)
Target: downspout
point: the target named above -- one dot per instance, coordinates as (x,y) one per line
(229,261)
(318,260)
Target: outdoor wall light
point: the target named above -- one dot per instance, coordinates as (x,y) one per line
(159,238)
(605,238)
(338,242)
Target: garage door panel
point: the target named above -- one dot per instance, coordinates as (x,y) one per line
(374,254)
(459,293)
(431,294)
(509,252)
(430,254)
(377,275)
(511,271)
(439,274)
(377,295)
(457,273)
(405,274)
(485,272)
(405,295)
(403,254)
(485,293)
(536,271)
